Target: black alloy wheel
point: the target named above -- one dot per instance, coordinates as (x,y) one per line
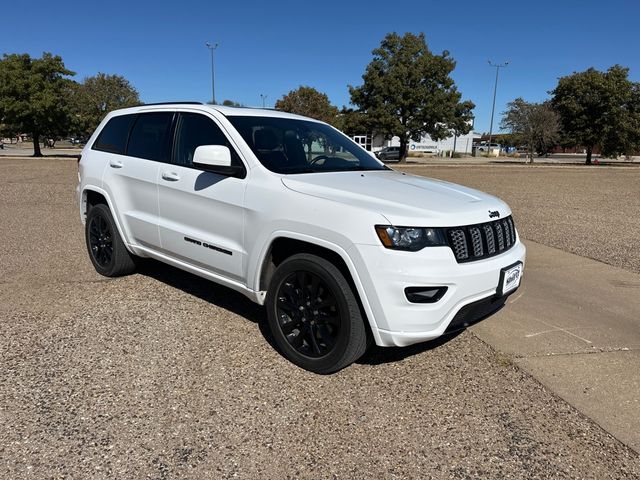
(308,314)
(101,241)
(107,251)
(314,315)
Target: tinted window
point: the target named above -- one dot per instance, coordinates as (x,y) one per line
(194,130)
(287,145)
(113,137)
(149,136)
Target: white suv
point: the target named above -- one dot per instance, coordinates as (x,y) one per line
(342,250)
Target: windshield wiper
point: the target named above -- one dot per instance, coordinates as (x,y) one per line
(361,168)
(294,170)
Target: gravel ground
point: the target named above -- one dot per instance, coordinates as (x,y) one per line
(590,211)
(163,375)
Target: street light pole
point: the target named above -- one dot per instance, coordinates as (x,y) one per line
(212,48)
(497,66)
(263,97)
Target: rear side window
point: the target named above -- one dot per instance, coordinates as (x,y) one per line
(194,130)
(113,137)
(149,137)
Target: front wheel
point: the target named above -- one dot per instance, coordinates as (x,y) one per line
(314,315)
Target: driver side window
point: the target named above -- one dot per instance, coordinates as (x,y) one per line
(194,130)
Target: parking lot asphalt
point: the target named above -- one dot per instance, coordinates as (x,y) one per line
(164,375)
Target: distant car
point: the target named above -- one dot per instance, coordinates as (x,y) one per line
(389,153)
(483,147)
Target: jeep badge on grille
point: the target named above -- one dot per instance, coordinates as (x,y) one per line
(494,213)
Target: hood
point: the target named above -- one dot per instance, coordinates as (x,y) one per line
(405,200)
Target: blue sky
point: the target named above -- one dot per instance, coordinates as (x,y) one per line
(272,47)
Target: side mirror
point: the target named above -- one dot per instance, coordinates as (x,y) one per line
(216,159)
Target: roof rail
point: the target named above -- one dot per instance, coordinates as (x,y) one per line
(170,103)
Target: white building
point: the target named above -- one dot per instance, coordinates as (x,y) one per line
(462,144)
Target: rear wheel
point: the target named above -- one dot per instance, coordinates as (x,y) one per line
(314,315)
(106,249)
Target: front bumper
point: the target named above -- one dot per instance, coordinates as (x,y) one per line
(386,273)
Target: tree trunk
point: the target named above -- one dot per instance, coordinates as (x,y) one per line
(36,145)
(403,150)
(589,151)
(530,153)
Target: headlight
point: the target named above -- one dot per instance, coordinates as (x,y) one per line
(410,238)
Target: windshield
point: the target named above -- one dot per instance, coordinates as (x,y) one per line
(286,145)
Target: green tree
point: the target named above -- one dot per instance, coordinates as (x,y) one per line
(231,103)
(98,95)
(535,125)
(633,140)
(34,96)
(599,109)
(352,122)
(622,134)
(309,102)
(408,92)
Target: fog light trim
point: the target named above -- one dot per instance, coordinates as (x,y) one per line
(424,294)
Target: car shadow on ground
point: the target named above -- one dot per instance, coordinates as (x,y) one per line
(381,355)
(237,303)
(206,290)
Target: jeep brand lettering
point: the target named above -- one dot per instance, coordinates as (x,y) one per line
(332,242)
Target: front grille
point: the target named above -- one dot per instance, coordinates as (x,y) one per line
(475,242)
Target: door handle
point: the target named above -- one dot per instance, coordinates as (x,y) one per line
(170,176)
(115,164)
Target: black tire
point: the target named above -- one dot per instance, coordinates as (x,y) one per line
(106,249)
(303,320)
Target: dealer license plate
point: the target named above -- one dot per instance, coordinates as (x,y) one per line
(510,278)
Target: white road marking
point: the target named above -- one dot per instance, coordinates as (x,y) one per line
(555,328)
(516,298)
(541,333)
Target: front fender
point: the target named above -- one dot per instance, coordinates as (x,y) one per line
(257,264)
(83,211)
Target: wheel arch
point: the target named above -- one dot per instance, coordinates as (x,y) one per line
(283,245)
(92,193)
